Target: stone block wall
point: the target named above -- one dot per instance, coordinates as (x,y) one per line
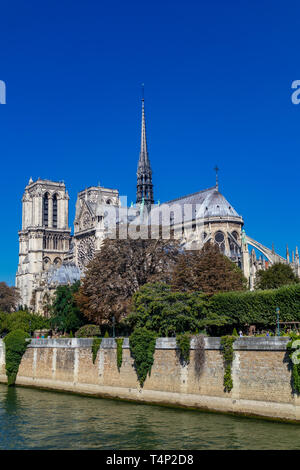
(261,374)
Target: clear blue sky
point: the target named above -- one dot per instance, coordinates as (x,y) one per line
(217,88)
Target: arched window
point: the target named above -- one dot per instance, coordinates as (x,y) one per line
(220,240)
(57,262)
(46,263)
(45,209)
(55,211)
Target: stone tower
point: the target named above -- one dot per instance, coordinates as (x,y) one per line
(45,236)
(144,191)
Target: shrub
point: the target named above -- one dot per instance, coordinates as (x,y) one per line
(88,331)
(15,346)
(142,348)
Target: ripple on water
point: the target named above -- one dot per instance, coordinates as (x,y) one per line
(35,419)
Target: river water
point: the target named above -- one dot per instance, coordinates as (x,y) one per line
(35,419)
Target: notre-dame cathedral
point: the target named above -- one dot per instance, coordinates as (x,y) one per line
(49,255)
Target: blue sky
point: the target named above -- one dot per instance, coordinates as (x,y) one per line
(217,91)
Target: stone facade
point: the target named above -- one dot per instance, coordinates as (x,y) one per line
(49,256)
(260,370)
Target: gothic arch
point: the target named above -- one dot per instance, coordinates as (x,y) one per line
(54,209)
(46,263)
(46,197)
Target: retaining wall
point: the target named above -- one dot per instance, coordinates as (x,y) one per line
(261,374)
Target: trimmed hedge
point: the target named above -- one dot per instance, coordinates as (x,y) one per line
(258,307)
(157,308)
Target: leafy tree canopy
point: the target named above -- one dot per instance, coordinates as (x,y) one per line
(157,308)
(275,276)
(207,270)
(65,313)
(22,320)
(117,272)
(9,297)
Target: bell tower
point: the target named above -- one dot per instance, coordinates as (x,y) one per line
(45,236)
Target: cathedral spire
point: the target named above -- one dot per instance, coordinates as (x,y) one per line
(144,173)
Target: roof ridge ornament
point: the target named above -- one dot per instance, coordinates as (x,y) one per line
(217,178)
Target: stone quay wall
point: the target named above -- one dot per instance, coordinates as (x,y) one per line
(261,372)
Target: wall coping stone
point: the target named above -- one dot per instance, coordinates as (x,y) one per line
(272,343)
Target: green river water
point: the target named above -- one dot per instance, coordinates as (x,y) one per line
(35,419)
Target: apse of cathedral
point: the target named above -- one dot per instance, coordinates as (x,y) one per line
(50,256)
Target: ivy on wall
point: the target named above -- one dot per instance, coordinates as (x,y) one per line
(119,342)
(95,348)
(16,343)
(142,347)
(183,342)
(228,355)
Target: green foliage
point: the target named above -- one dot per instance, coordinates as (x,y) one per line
(277,275)
(22,320)
(168,313)
(15,346)
(228,354)
(234,333)
(95,348)
(183,342)
(294,353)
(157,308)
(106,334)
(65,313)
(88,331)
(257,307)
(142,348)
(119,342)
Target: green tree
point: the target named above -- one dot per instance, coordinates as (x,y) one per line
(277,275)
(65,313)
(22,320)
(157,308)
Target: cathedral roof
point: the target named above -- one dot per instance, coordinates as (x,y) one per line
(207,203)
(65,274)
